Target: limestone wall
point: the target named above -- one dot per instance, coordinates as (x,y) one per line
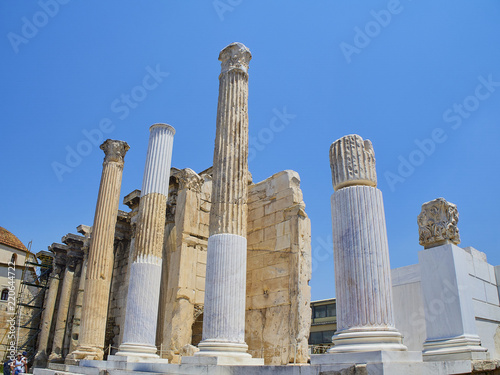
(278,271)
(185,252)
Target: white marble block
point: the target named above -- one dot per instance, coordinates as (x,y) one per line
(449,311)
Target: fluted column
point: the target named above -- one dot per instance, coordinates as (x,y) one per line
(225,284)
(62,312)
(365,318)
(100,258)
(48,313)
(77,317)
(145,271)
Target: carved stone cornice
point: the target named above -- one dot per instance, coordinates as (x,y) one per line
(352,161)
(235,56)
(132,199)
(437,223)
(114,151)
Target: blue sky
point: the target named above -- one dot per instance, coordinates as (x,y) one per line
(420,79)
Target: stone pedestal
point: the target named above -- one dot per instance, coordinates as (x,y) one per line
(145,271)
(449,310)
(225,284)
(100,258)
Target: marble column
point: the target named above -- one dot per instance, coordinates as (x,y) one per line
(225,283)
(365,318)
(48,313)
(100,258)
(141,313)
(62,311)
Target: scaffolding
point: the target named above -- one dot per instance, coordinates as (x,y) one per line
(29,303)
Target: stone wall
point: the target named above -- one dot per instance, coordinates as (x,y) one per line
(119,283)
(185,252)
(278,271)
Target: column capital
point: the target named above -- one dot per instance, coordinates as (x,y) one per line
(352,161)
(114,150)
(235,56)
(437,224)
(189,179)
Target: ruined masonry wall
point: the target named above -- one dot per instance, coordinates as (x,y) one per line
(185,250)
(278,271)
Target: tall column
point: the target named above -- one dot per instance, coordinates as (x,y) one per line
(75,329)
(62,311)
(141,313)
(365,319)
(100,258)
(48,313)
(225,284)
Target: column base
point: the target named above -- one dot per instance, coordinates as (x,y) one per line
(367,340)
(222,353)
(137,350)
(84,352)
(56,358)
(465,347)
(40,359)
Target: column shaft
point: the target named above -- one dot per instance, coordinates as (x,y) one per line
(101,255)
(75,330)
(141,314)
(48,313)
(362,274)
(62,315)
(228,213)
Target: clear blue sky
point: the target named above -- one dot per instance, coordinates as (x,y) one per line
(402,74)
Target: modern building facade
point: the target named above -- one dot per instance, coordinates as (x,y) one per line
(323,324)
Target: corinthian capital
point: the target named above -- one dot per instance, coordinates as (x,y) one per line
(437,224)
(235,56)
(189,179)
(114,151)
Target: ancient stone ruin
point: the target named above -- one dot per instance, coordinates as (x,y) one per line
(208,272)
